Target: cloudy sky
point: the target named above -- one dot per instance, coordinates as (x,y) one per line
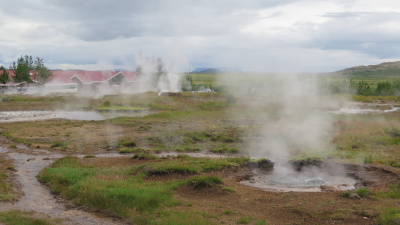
(251,35)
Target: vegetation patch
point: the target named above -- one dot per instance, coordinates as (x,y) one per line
(204,181)
(142,156)
(126,143)
(15,217)
(245,220)
(363,192)
(120,108)
(224,149)
(60,144)
(16,139)
(389,216)
(123,191)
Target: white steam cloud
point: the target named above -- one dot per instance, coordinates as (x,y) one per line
(289,115)
(154,76)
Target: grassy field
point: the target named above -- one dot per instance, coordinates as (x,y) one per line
(147,189)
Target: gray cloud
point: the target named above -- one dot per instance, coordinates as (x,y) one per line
(205,33)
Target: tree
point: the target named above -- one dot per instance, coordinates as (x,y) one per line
(4,76)
(22,68)
(25,66)
(41,74)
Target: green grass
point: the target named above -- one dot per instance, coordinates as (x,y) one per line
(15,217)
(6,194)
(260,222)
(204,182)
(228,212)
(58,144)
(16,139)
(393,192)
(389,216)
(126,143)
(142,156)
(123,191)
(363,192)
(245,220)
(228,189)
(224,149)
(120,108)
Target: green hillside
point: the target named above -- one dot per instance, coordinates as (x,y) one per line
(383,70)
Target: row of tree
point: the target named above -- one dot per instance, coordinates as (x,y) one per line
(27,70)
(385,88)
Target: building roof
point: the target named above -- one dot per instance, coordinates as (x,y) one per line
(86,77)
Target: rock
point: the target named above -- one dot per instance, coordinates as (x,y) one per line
(262,163)
(299,164)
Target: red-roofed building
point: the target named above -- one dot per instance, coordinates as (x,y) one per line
(92,80)
(86,80)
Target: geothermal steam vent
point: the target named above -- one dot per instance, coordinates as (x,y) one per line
(305,175)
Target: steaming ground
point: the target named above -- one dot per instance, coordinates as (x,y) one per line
(289,112)
(198,122)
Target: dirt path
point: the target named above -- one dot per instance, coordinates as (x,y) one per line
(37,198)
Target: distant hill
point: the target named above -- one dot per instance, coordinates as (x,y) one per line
(384,69)
(205,70)
(215,70)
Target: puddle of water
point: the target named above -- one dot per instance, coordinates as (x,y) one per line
(365,111)
(20,116)
(285,179)
(37,197)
